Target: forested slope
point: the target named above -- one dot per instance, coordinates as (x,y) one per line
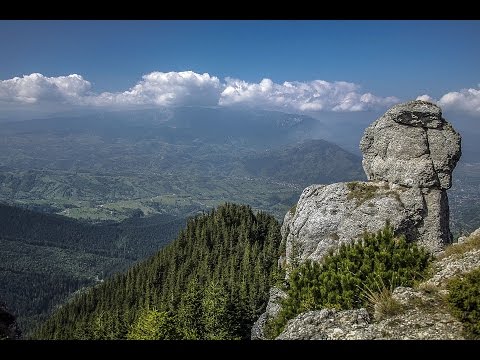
(44,258)
(211,282)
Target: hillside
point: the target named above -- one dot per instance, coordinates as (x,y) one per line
(103,165)
(45,258)
(311,161)
(210,283)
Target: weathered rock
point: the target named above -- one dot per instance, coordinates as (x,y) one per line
(423,317)
(329,215)
(411,145)
(456,264)
(409,155)
(328,324)
(423,312)
(271,311)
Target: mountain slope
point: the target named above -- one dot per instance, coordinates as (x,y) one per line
(312,161)
(211,282)
(45,258)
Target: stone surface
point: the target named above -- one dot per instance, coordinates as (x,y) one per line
(409,155)
(329,215)
(423,313)
(456,264)
(272,309)
(411,145)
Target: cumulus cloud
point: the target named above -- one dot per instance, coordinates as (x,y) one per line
(191,88)
(467,100)
(166,89)
(426,97)
(36,87)
(315,95)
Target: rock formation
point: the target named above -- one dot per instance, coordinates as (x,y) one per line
(423,312)
(409,155)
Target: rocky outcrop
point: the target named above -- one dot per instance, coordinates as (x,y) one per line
(271,311)
(422,312)
(329,215)
(411,145)
(8,326)
(409,155)
(423,317)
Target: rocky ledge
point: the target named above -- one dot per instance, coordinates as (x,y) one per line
(422,312)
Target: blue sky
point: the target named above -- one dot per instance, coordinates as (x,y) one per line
(360,64)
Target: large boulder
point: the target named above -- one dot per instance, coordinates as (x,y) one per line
(409,155)
(329,215)
(411,145)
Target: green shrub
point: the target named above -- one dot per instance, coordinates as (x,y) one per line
(341,279)
(464,300)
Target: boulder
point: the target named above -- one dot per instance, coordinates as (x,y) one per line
(411,145)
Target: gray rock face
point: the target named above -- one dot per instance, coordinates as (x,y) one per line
(409,155)
(411,145)
(423,317)
(329,215)
(273,307)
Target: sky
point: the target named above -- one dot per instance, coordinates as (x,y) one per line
(295,66)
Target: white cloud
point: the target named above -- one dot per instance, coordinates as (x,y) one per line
(36,87)
(426,97)
(467,100)
(314,95)
(166,89)
(190,88)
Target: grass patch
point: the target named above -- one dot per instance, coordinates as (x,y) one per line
(471,243)
(381,303)
(361,192)
(293,209)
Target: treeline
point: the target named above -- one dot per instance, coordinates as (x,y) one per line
(132,239)
(212,282)
(45,258)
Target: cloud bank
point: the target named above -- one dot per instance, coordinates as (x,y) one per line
(35,88)
(191,88)
(467,100)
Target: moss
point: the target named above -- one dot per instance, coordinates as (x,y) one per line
(361,192)
(293,209)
